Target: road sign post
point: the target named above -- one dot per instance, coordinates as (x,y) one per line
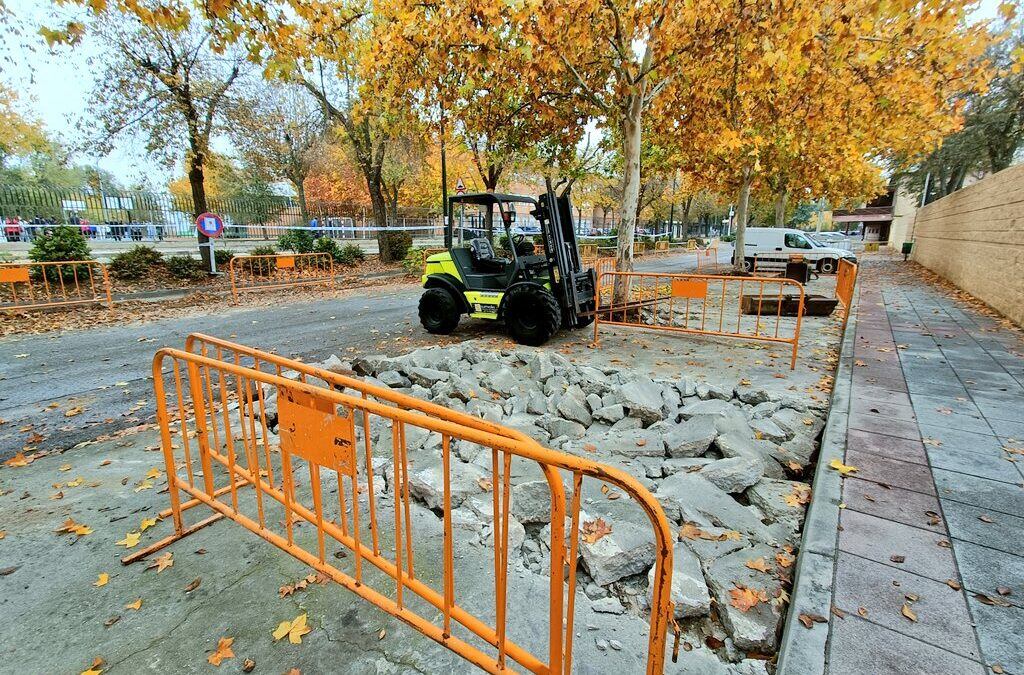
(209,226)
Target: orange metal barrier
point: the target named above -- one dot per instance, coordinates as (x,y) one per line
(727,306)
(846,281)
(707,259)
(267,272)
(34,285)
(229,459)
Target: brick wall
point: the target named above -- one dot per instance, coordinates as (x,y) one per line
(975,239)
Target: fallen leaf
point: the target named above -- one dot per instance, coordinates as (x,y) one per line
(63,467)
(96,668)
(76,482)
(222,652)
(808,620)
(589,447)
(844,469)
(18,460)
(484,483)
(862,612)
(135,604)
(102,580)
(153,473)
(898,558)
(71,527)
(146,524)
(985,519)
(954,584)
(294,629)
(131,540)
(909,613)
(641,442)
(111,621)
(162,563)
(1004,590)
(759,564)
(71,412)
(193,585)
(743,598)
(383,632)
(784,560)
(991,601)
(248,666)
(143,485)
(593,530)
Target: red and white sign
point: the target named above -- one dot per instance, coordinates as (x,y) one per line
(460,187)
(209,224)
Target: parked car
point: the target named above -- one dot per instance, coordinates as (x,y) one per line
(767,242)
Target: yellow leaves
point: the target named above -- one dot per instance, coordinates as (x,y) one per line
(72,412)
(153,473)
(909,613)
(843,469)
(294,629)
(76,482)
(101,580)
(144,485)
(136,604)
(64,467)
(743,598)
(131,540)
(691,531)
(593,530)
(222,652)
(71,527)
(784,560)
(147,523)
(96,668)
(799,496)
(162,563)
(3,533)
(18,460)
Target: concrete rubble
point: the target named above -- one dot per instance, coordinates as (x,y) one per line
(729,467)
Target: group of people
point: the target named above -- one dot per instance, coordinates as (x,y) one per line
(16,228)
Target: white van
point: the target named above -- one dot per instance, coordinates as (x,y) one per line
(779,242)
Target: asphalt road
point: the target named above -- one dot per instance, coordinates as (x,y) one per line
(105,372)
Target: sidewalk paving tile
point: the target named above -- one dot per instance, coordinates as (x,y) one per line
(985,570)
(963,440)
(861,647)
(942,617)
(999,631)
(1004,532)
(892,503)
(886,446)
(889,471)
(879,540)
(885,425)
(984,493)
(992,466)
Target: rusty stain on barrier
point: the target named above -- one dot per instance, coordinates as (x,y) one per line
(38,285)
(726,306)
(269,272)
(324,418)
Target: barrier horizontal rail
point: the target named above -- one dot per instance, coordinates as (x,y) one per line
(227,456)
(748,308)
(38,285)
(269,272)
(846,282)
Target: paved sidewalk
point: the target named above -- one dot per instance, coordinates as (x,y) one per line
(929,573)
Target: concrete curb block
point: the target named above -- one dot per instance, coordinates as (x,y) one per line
(803,651)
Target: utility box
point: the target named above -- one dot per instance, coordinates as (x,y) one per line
(908,248)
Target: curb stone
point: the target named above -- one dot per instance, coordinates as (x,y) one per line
(804,651)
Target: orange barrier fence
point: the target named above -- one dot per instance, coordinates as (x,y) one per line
(764,309)
(35,285)
(395,555)
(707,259)
(267,272)
(846,281)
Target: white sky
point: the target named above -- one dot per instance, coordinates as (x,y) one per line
(54,87)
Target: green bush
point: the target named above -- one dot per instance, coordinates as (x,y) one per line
(223,257)
(297,241)
(328,246)
(6,257)
(396,244)
(60,243)
(135,263)
(185,267)
(728,237)
(413,262)
(266,266)
(352,254)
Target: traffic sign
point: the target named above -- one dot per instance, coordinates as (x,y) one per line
(209,224)
(460,187)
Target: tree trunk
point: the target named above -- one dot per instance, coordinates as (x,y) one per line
(742,206)
(380,219)
(780,207)
(300,190)
(631,137)
(197,181)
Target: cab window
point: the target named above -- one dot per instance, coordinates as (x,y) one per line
(796,241)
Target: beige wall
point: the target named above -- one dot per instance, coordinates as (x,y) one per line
(975,238)
(904,209)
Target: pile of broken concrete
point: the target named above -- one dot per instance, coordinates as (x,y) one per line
(724,463)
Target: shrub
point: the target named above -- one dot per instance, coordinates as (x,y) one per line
(223,257)
(396,245)
(328,246)
(266,266)
(352,254)
(185,267)
(728,237)
(297,241)
(413,262)
(6,257)
(60,243)
(135,263)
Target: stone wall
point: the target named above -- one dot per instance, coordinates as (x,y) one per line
(975,239)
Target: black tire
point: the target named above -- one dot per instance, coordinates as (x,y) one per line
(531,315)
(828,265)
(748,264)
(439,311)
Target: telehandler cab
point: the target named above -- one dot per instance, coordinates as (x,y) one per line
(534,294)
